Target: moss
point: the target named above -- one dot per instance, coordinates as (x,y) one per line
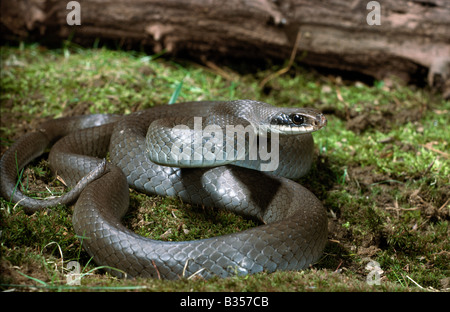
(382,170)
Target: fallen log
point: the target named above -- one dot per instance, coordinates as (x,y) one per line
(406,38)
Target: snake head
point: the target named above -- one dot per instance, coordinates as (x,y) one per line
(297,121)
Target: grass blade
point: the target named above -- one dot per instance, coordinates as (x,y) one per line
(176,93)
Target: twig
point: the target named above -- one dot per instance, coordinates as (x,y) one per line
(185,267)
(285,69)
(445,204)
(217,70)
(339,265)
(157,271)
(405,209)
(414,281)
(429,167)
(429,146)
(196,273)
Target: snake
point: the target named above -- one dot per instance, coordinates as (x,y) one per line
(166,150)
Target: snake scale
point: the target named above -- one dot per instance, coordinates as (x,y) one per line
(294,222)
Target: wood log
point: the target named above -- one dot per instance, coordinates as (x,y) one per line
(408,38)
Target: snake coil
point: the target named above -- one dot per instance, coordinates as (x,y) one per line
(294,230)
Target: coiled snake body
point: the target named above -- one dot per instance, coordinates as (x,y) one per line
(295,224)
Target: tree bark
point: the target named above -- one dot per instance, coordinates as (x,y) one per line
(412,40)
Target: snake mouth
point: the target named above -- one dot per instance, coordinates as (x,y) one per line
(320,122)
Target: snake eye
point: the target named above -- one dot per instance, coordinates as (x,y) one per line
(297,119)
